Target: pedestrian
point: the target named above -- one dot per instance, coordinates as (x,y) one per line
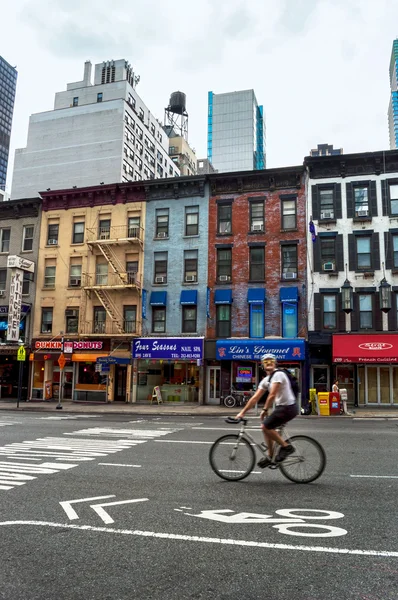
(335,386)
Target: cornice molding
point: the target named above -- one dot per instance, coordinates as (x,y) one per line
(253,181)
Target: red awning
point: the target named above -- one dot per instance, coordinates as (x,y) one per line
(366,348)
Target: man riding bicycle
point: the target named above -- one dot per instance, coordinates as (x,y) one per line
(279,391)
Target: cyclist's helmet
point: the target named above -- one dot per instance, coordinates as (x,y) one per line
(268,357)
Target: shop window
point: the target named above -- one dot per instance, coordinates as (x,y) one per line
(5,235)
(131,271)
(27,238)
(162,223)
(190,266)
(78,233)
(101,273)
(52,234)
(158,319)
(49,276)
(289,213)
(289,261)
(46,320)
(130,319)
(191,220)
(104,229)
(224,264)
(223,320)
(3,280)
(99,319)
(256,320)
(134,227)
(257,266)
(257,216)
(365,311)
(224,219)
(160,267)
(75,275)
(72,320)
(189,319)
(329,311)
(326,203)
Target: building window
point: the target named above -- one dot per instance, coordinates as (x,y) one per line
(158,319)
(223,320)
(395,251)
(75,276)
(130,319)
(104,229)
(289,213)
(5,240)
(257,216)
(393,188)
(328,253)
(49,276)
(257,266)
(329,311)
(365,311)
(52,234)
(289,261)
(191,220)
(99,97)
(189,319)
(3,279)
(289,320)
(72,320)
(160,270)
(256,320)
(364,257)
(131,271)
(101,273)
(162,222)
(326,203)
(99,319)
(27,240)
(361,201)
(133,227)
(224,264)
(225,218)
(78,233)
(46,320)
(190,265)
(76,101)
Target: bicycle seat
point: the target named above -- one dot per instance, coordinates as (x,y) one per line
(233,421)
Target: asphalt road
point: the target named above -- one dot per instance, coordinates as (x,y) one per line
(154,522)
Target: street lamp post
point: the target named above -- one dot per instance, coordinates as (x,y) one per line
(61,376)
(20,374)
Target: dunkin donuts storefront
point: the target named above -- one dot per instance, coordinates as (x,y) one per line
(367,366)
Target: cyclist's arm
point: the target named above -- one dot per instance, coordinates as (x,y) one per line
(252,402)
(272,393)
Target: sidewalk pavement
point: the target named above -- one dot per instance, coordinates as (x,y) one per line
(122,408)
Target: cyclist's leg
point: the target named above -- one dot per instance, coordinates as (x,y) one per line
(280,416)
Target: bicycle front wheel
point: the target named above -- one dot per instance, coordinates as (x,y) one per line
(230,401)
(307,462)
(232,457)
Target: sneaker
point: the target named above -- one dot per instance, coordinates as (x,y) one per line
(284,452)
(264,462)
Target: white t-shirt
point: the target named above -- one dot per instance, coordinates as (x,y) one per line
(284,395)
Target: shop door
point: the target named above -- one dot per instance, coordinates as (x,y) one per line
(379,385)
(213,385)
(120,383)
(320,378)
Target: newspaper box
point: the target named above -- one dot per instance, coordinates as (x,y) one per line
(334,402)
(323,401)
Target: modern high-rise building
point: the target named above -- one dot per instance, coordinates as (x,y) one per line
(326,150)
(101,133)
(393,106)
(8,84)
(235,132)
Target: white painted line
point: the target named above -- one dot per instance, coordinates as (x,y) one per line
(227,429)
(182,442)
(72,514)
(200,539)
(369,419)
(119,465)
(104,515)
(230,471)
(376,476)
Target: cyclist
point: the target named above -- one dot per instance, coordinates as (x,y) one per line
(280,392)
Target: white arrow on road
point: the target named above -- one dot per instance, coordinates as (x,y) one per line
(72,514)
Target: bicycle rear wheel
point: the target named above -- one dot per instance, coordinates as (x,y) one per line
(232,457)
(308,461)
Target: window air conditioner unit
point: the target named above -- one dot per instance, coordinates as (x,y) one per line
(327,214)
(363,212)
(2,292)
(291,275)
(224,278)
(52,242)
(190,277)
(71,313)
(75,282)
(161,234)
(160,279)
(104,235)
(328,266)
(257,227)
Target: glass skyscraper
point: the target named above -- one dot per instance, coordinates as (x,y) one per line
(393,107)
(235,132)
(8,84)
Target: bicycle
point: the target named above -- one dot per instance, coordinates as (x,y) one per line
(233,458)
(236,398)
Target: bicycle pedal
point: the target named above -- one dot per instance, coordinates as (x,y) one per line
(273,466)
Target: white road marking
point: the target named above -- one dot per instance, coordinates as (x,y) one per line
(137,434)
(207,540)
(376,476)
(104,515)
(72,514)
(119,465)
(183,442)
(227,429)
(232,471)
(369,418)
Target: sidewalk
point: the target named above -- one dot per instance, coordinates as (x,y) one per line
(121,408)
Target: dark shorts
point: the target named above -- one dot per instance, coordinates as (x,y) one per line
(280,416)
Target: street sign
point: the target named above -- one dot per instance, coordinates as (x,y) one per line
(16,262)
(62,361)
(21,353)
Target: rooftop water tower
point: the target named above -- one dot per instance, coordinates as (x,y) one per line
(176,116)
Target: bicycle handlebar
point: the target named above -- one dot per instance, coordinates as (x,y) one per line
(233,421)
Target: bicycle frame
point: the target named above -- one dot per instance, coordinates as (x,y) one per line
(262,447)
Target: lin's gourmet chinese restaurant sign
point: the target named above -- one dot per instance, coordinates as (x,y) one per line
(168,348)
(284,349)
(365,348)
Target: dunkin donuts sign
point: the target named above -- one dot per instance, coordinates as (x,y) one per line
(68,346)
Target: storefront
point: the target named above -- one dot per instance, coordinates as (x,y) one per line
(367,366)
(237,364)
(172,364)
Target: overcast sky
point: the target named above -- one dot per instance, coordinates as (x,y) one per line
(319,67)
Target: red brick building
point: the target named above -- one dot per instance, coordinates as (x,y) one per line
(256,275)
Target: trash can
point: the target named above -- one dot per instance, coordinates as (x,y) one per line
(334,403)
(323,401)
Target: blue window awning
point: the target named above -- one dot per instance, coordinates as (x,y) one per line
(223,297)
(158,299)
(289,294)
(256,296)
(189,297)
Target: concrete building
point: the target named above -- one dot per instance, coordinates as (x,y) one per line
(235,132)
(101,133)
(4,197)
(393,104)
(353,275)
(8,84)
(89,287)
(182,155)
(205,167)
(326,150)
